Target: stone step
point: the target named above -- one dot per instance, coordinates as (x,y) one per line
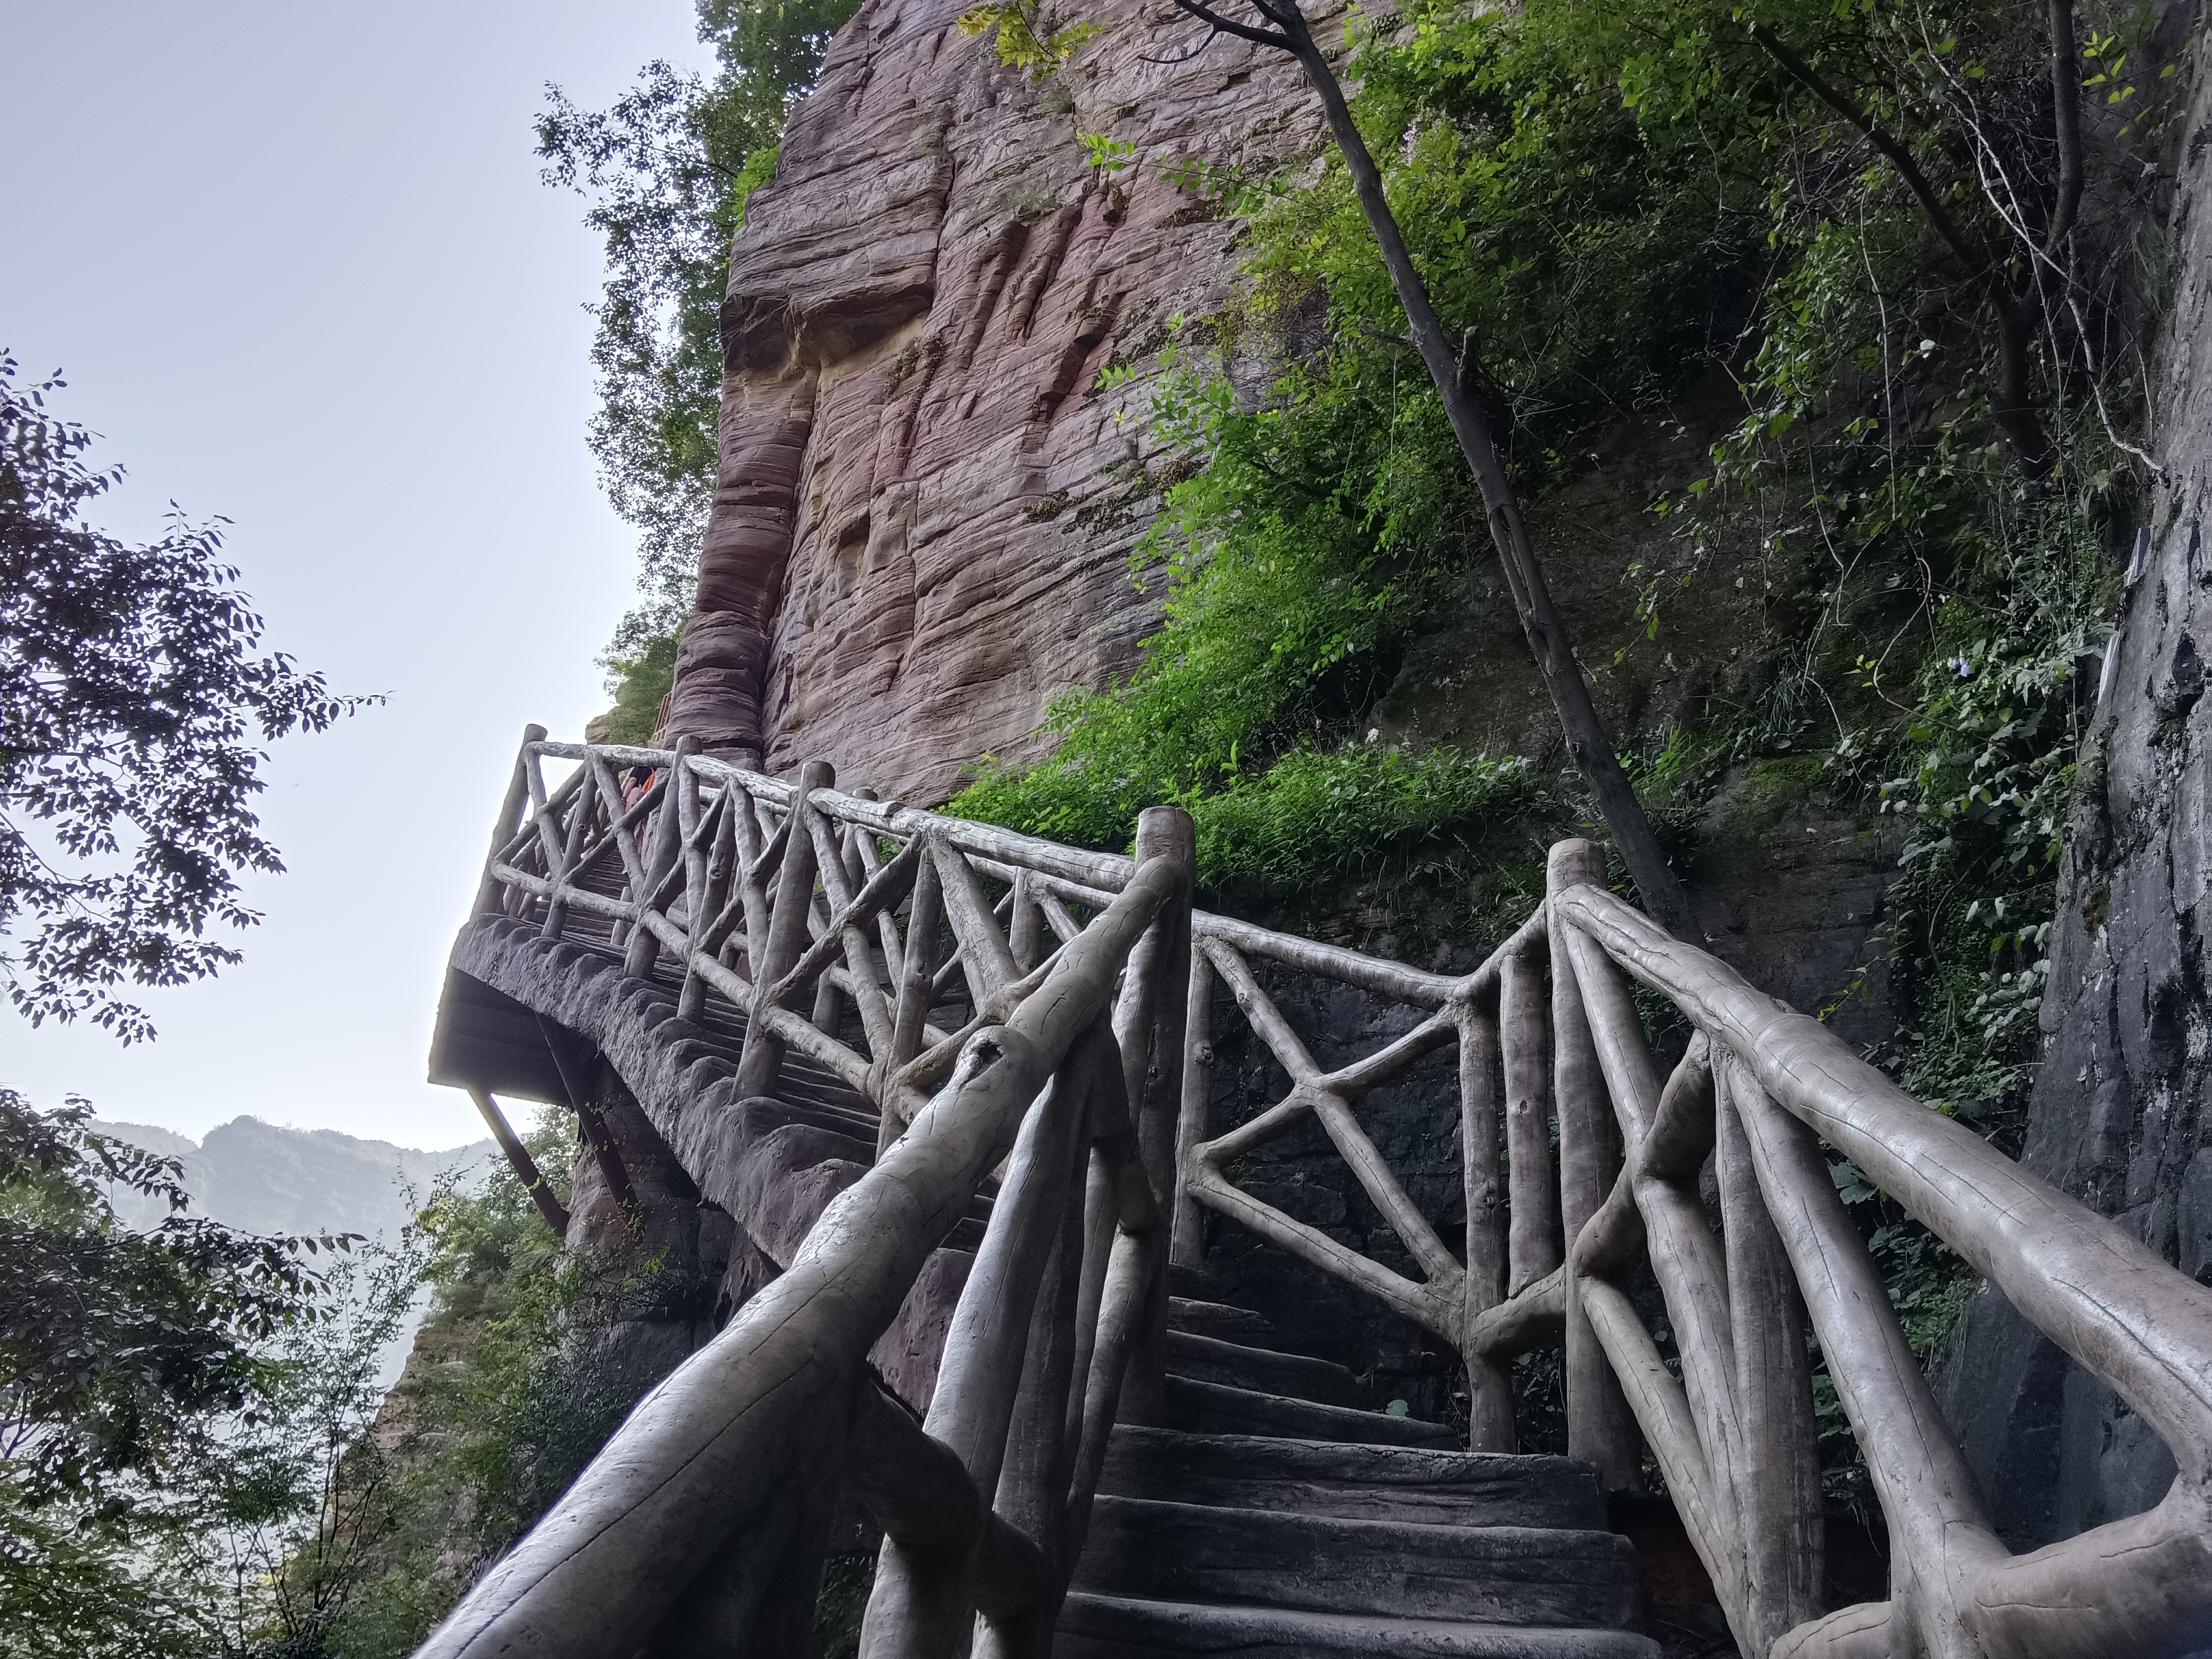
(1263,1371)
(1352,1482)
(1166,1551)
(1199,1407)
(1204,1318)
(1118,1627)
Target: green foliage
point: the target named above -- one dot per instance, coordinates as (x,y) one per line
(1987,776)
(134,700)
(525,1404)
(639,681)
(1029,38)
(1107,152)
(183,1466)
(522,1388)
(669,168)
(1295,539)
(115,1345)
(1315,815)
(1638,215)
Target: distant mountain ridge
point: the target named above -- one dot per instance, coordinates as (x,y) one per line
(265,1178)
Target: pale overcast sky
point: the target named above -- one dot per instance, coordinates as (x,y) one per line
(296,263)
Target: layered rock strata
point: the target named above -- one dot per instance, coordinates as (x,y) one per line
(926,502)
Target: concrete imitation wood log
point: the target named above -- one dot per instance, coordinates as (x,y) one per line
(865,844)
(591,1126)
(723,902)
(1187,1244)
(762,1060)
(1148,1027)
(1779,1497)
(1928,1495)
(1531,1318)
(1533,1192)
(667,829)
(611,803)
(847,929)
(1040,1450)
(2121,1310)
(1599,1428)
(518,1159)
(1734,1434)
(988,1344)
(985,1347)
(1489,1386)
(564,860)
(702,1456)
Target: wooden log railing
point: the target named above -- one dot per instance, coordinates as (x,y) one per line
(1064,1038)
(1547,1033)
(1031,1049)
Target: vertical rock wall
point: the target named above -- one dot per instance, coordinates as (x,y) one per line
(2118,1118)
(924,509)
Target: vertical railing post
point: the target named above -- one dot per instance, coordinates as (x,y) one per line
(1600,1429)
(1533,1185)
(1148,1023)
(1025,924)
(1187,1239)
(1489,1385)
(864,844)
(761,1062)
(662,853)
(1778,1517)
(721,882)
(580,825)
(510,814)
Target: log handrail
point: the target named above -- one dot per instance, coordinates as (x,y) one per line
(964,978)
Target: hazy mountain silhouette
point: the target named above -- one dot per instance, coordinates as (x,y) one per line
(268,1179)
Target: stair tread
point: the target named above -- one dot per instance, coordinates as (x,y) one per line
(1352,1481)
(1264,1371)
(1099,1626)
(1547,1576)
(1205,1408)
(1204,1318)
(1275,1520)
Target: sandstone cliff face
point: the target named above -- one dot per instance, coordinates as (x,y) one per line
(924,511)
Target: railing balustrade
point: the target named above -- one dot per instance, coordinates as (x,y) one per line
(1073,1060)
(1546,1031)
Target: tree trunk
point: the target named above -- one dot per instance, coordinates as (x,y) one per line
(1588,742)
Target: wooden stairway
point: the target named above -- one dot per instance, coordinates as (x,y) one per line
(1274,1520)
(1046,1011)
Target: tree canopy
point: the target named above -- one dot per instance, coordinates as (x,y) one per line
(176,1408)
(134,699)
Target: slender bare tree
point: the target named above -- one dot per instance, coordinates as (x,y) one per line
(1283,27)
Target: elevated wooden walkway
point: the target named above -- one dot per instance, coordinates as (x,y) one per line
(953,1084)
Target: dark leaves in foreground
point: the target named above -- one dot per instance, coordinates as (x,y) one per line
(134,696)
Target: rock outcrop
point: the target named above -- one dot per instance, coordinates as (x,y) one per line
(2118,1118)
(925,507)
